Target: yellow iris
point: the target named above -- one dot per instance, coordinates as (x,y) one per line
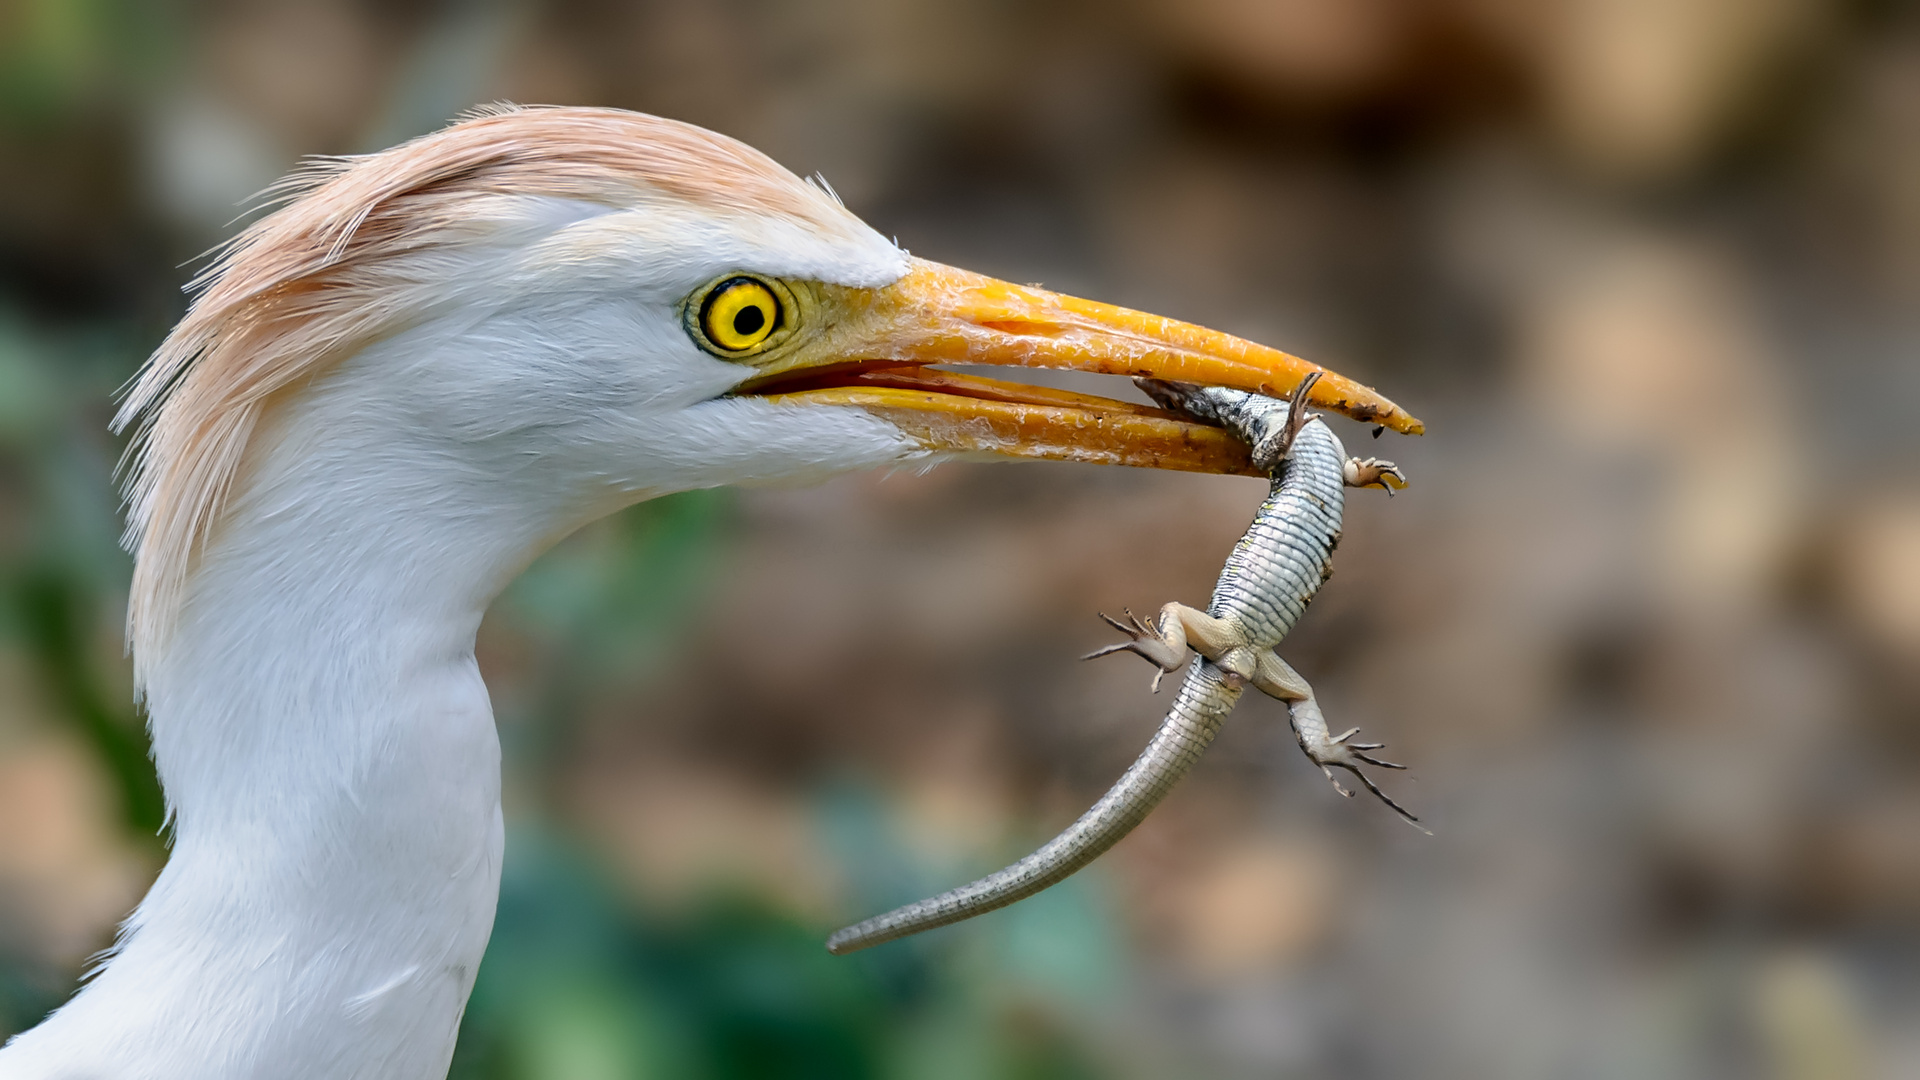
(739,314)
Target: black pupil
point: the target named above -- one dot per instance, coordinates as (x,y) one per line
(748,320)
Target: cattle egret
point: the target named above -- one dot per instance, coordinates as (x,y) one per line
(388,396)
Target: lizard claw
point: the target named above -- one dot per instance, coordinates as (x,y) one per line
(1269,452)
(1340,752)
(1297,414)
(1373,472)
(1357,749)
(1133,627)
(1144,641)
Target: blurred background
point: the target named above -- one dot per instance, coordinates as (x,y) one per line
(1647,625)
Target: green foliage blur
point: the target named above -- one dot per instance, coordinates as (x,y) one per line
(61,577)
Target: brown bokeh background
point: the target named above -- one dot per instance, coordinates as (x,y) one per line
(1647,624)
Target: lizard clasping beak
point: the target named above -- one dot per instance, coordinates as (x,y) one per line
(875,346)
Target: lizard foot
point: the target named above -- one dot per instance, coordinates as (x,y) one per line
(1373,472)
(1340,752)
(1144,640)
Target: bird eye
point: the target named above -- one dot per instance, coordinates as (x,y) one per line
(739,314)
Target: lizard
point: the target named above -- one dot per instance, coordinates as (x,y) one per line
(1268,580)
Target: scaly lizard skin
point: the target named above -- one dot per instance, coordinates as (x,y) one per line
(1267,582)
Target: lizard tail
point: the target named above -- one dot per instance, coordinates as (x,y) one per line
(1206,697)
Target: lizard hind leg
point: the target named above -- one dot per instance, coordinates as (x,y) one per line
(1163,641)
(1167,652)
(1341,752)
(1277,679)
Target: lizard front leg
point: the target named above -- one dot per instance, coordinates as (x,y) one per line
(1164,641)
(1373,472)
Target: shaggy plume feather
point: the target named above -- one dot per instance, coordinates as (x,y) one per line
(327,273)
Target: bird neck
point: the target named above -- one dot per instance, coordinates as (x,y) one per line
(332,768)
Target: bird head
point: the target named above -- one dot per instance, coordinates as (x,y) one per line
(584,307)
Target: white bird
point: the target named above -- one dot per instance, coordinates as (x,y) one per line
(388,397)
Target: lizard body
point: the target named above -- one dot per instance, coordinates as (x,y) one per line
(1266,584)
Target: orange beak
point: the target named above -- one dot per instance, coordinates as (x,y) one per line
(875,351)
